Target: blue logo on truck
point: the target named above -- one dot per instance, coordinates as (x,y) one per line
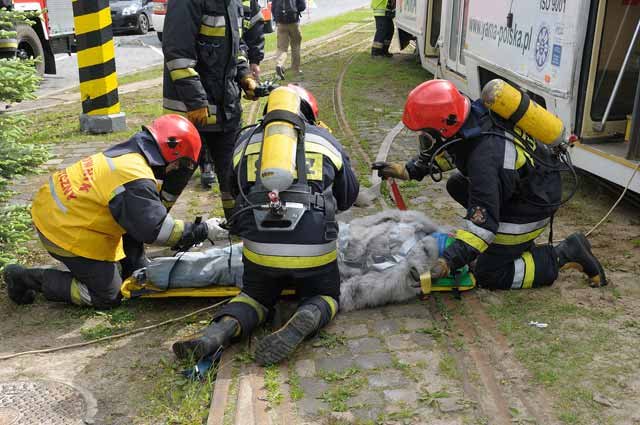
(542,47)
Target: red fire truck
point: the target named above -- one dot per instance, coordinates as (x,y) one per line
(51,33)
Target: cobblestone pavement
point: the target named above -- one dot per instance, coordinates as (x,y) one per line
(387,365)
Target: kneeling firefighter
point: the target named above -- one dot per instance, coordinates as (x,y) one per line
(82,213)
(508,182)
(292,175)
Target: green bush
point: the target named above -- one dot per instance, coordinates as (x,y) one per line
(18,82)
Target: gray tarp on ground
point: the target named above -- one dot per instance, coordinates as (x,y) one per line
(375,254)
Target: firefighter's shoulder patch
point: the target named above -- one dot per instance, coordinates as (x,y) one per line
(478,215)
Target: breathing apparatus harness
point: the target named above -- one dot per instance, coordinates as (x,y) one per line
(559,152)
(281,211)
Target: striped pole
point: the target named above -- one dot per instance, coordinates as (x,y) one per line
(97,67)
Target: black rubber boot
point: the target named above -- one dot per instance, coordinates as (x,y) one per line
(575,252)
(207,177)
(282,343)
(22,283)
(214,336)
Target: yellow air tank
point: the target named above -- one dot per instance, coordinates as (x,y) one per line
(278,160)
(508,102)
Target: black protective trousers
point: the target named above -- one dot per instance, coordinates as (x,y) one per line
(220,148)
(382,37)
(508,266)
(92,282)
(262,286)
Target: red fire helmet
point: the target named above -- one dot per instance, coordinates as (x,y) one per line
(176,137)
(437,105)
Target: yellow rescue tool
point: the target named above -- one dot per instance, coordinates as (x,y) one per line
(515,106)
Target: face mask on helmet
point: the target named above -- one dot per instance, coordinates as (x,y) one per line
(177,175)
(430,141)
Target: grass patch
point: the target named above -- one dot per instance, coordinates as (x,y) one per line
(175,399)
(338,396)
(147,74)
(272,385)
(328,340)
(567,356)
(409,372)
(295,389)
(448,368)
(323,27)
(338,376)
(117,319)
(431,398)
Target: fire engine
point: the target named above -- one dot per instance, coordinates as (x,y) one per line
(51,33)
(580,59)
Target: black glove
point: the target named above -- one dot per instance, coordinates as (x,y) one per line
(193,234)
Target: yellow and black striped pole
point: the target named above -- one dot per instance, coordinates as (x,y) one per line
(97,67)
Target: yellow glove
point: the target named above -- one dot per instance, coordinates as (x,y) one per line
(198,116)
(391,169)
(249,84)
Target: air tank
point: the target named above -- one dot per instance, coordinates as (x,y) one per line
(509,103)
(280,139)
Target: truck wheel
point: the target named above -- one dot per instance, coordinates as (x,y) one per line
(143,24)
(30,46)
(159,34)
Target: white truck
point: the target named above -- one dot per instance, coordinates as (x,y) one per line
(578,58)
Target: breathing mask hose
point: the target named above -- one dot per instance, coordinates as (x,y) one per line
(564,158)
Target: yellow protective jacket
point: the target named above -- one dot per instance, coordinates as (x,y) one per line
(72,208)
(383,7)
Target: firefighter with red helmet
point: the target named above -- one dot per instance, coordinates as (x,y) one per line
(291,243)
(509,184)
(98,212)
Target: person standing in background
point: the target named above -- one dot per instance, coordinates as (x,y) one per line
(287,16)
(383,11)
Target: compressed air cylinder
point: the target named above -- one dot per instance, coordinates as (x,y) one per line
(508,102)
(278,160)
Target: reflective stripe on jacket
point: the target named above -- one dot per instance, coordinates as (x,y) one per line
(205,58)
(72,208)
(307,246)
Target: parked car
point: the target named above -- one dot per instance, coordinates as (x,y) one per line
(131,15)
(159,10)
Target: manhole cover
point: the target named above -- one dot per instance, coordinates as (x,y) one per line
(45,403)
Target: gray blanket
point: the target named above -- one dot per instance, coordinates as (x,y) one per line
(375,254)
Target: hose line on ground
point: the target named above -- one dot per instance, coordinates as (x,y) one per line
(112,337)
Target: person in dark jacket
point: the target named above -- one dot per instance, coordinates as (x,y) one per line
(286,13)
(383,12)
(304,257)
(99,211)
(206,66)
(509,193)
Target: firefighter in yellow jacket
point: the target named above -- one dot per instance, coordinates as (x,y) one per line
(99,211)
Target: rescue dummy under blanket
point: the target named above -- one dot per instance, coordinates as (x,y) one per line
(375,255)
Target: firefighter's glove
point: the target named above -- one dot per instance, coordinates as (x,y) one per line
(214,231)
(440,269)
(199,116)
(249,85)
(390,169)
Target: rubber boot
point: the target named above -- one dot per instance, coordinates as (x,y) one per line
(575,252)
(385,51)
(207,177)
(213,337)
(280,71)
(282,343)
(22,283)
